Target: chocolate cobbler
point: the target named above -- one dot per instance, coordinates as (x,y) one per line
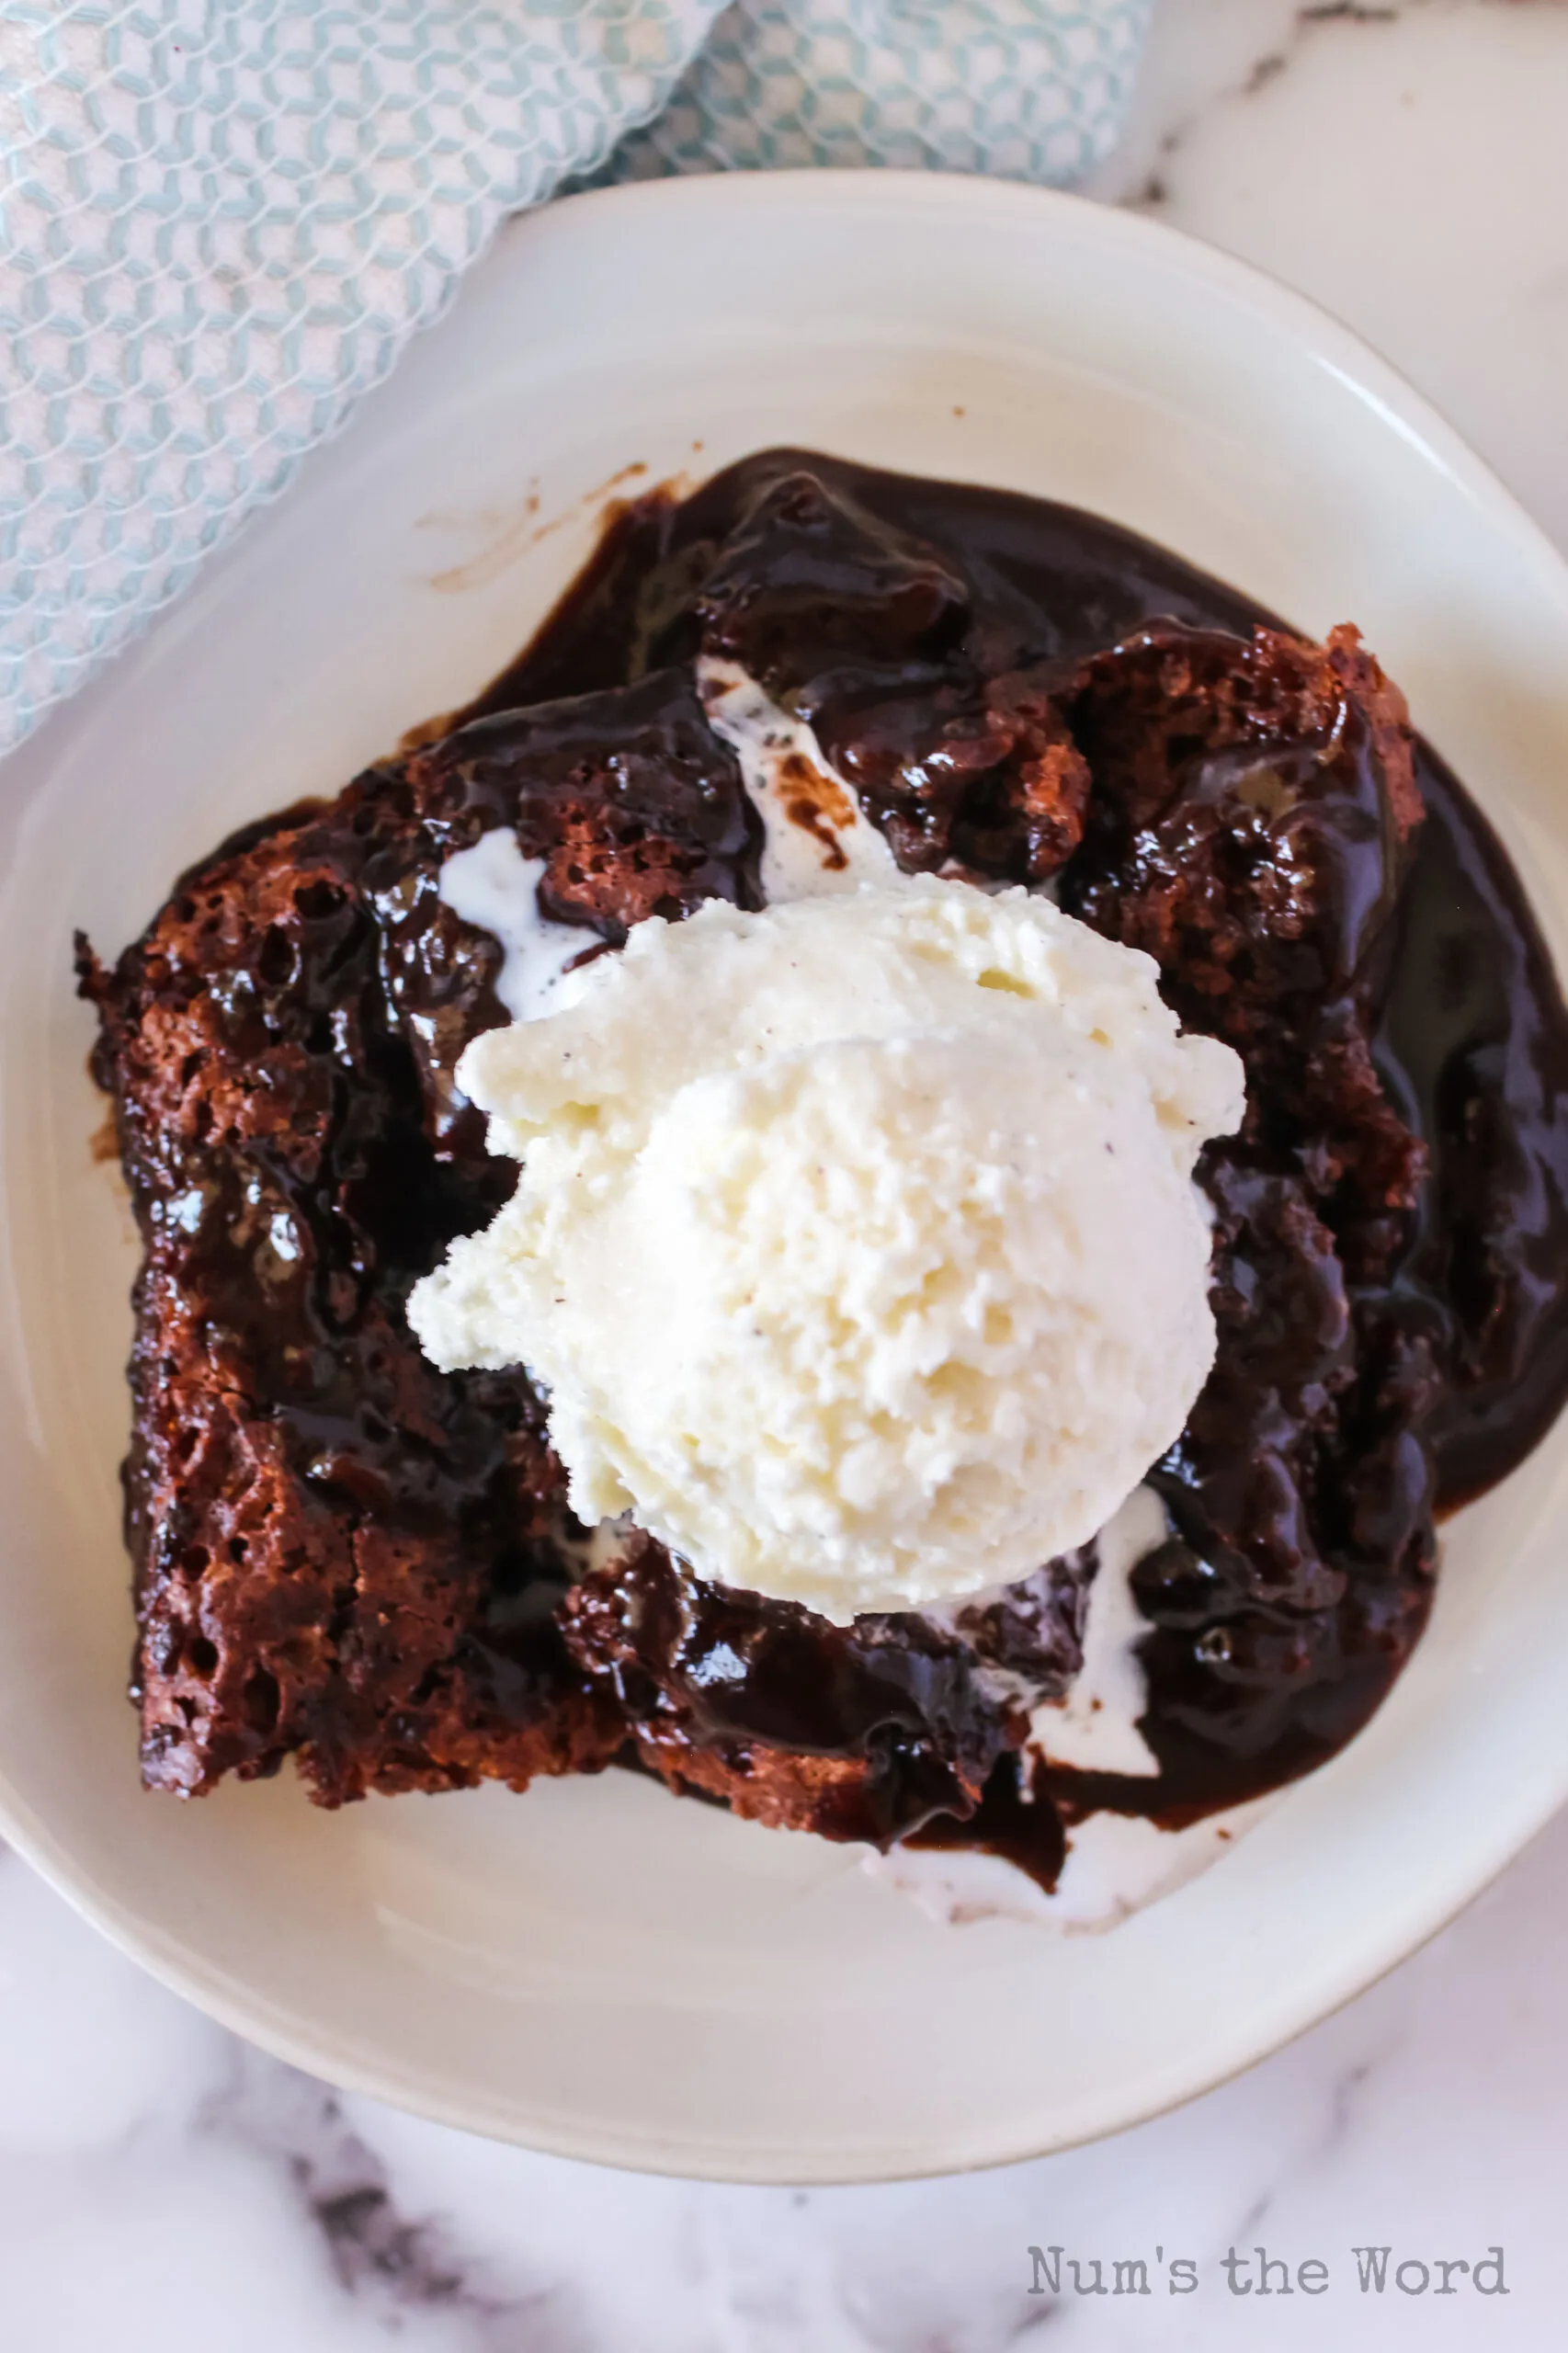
(344,1554)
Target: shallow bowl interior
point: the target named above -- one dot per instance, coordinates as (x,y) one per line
(596,1968)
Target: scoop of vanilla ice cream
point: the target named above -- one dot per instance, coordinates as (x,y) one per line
(856,1241)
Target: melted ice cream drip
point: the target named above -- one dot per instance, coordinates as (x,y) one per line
(815,841)
(816,838)
(1115,1863)
(496,888)
(1094,1726)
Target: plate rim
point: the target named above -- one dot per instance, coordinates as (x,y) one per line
(1311,327)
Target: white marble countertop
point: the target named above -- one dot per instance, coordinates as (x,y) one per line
(1408,165)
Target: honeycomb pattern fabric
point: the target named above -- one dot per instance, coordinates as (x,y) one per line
(1023,88)
(219,220)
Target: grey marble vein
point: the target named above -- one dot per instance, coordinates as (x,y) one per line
(1266,66)
(395,2265)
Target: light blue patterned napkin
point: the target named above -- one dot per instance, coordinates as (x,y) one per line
(220,220)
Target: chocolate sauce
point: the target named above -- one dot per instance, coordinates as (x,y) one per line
(1017,691)
(1268,1649)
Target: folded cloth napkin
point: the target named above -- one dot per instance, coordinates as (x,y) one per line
(220,220)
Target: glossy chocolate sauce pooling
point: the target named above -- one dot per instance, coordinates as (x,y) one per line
(1431,1305)
(344,1553)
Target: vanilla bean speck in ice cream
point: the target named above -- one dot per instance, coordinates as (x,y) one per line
(856,1240)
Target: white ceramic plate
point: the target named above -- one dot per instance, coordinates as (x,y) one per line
(596,1967)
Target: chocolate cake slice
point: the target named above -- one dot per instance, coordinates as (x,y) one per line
(343,1554)
(340,1551)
